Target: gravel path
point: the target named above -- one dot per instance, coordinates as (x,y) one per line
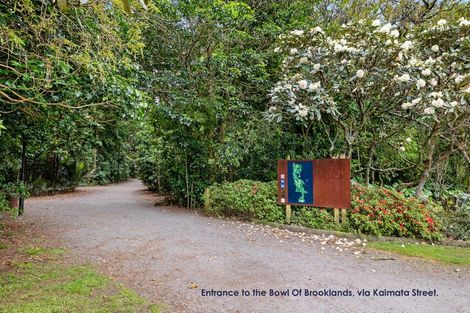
(169,255)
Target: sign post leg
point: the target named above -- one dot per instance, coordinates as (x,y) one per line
(343,216)
(288,213)
(336,216)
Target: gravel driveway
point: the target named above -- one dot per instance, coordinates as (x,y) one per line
(170,255)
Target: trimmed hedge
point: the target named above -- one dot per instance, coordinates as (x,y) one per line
(246,199)
(375,210)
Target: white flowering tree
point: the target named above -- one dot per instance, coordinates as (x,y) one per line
(439,91)
(371,78)
(345,78)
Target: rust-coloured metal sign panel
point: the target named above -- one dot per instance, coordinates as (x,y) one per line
(332,181)
(321,183)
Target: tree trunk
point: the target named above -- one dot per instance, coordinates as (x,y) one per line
(427,163)
(187,186)
(22,175)
(369,164)
(55,170)
(424,177)
(350,150)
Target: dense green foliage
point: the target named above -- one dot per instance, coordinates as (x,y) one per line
(456,215)
(251,200)
(208,84)
(66,96)
(3,202)
(375,211)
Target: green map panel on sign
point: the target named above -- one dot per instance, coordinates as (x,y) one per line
(300,182)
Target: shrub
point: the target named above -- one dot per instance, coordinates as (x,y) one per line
(17,189)
(456,214)
(314,218)
(246,199)
(375,210)
(456,224)
(3,202)
(381,211)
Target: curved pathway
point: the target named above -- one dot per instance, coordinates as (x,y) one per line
(170,254)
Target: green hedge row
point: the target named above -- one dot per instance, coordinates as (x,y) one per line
(247,199)
(375,210)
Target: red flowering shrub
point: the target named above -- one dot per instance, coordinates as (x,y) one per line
(381,211)
(374,210)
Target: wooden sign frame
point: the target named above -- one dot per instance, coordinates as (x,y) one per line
(331,186)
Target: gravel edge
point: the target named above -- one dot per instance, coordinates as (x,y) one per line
(300,229)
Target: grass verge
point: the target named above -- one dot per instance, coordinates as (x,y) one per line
(443,254)
(43,284)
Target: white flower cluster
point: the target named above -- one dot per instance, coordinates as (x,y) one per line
(425,76)
(407,45)
(464,22)
(317,30)
(386,29)
(297,32)
(403,78)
